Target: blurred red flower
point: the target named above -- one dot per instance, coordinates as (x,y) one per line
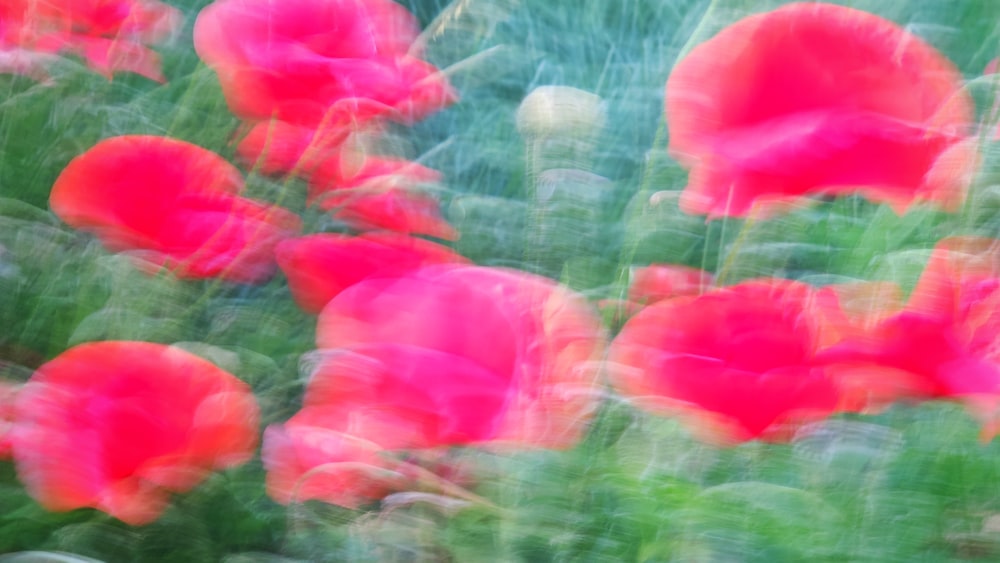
(307,459)
(368,192)
(318,267)
(110,35)
(815,98)
(375,192)
(174,205)
(737,362)
(447,356)
(945,343)
(278,147)
(8,394)
(302,61)
(117,426)
(656,282)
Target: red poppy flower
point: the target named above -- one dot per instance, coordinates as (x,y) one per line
(365,191)
(372,192)
(453,355)
(8,393)
(738,361)
(277,147)
(320,266)
(944,343)
(653,283)
(815,98)
(482,326)
(298,60)
(306,459)
(117,426)
(848,310)
(993,67)
(173,204)
(665,281)
(351,169)
(109,34)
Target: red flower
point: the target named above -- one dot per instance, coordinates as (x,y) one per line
(351,169)
(320,266)
(850,312)
(277,147)
(174,205)
(449,356)
(372,192)
(367,192)
(665,281)
(109,34)
(118,425)
(815,98)
(944,343)
(737,361)
(298,60)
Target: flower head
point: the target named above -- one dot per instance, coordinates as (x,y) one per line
(371,192)
(657,282)
(943,344)
(738,362)
(320,266)
(447,356)
(117,426)
(815,98)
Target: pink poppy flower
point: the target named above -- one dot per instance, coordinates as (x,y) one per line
(351,169)
(736,362)
(367,192)
(117,426)
(451,356)
(812,99)
(110,35)
(299,60)
(171,204)
(318,267)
